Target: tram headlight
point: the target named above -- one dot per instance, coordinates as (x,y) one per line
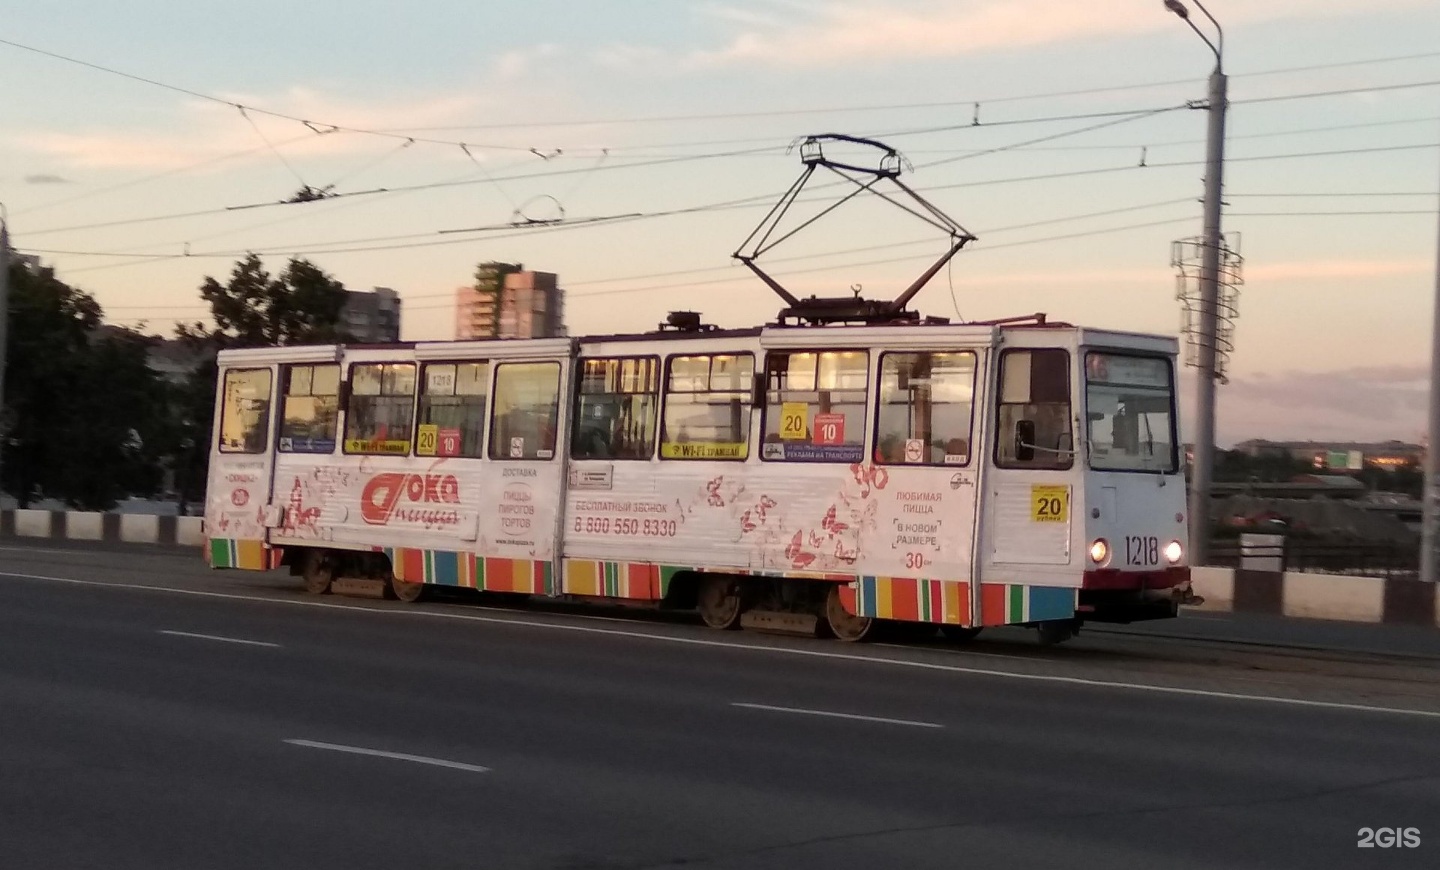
(1174,552)
(1100,551)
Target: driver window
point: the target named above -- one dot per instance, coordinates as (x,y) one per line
(1034,428)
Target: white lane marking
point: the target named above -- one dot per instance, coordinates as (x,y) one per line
(398,756)
(744,647)
(805,712)
(217,637)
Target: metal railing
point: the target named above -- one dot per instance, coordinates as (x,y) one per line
(1358,558)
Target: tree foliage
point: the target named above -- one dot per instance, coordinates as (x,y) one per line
(84,413)
(302,305)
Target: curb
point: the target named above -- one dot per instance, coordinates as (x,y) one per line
(1379,600)
(113,528)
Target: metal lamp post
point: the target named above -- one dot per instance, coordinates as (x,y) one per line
(4,315)
(1430,488)
(1209,291)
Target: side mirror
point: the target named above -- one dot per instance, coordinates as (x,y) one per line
(1024,440)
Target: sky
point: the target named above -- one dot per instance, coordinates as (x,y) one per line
(1065,136)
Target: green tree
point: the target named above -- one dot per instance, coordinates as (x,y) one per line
(303,305)
(81,402)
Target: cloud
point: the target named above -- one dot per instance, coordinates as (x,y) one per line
(519,63)
(1368,403)
(46,178)
(209,131)
(625,57)
(204,131)
(796,34)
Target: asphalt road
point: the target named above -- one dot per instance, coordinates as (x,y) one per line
(155,715)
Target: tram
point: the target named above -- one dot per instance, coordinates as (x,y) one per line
(846,468)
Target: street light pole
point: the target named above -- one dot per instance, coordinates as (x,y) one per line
(1209,291)
(4,316)
(1430,488)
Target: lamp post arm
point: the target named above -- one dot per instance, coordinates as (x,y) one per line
(1219,32)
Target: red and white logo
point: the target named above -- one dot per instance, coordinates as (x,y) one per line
(385,492)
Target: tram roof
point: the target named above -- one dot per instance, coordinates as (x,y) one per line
(775,335)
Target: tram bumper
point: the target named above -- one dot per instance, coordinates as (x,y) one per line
(1110,595)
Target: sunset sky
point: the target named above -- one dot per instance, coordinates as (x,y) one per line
(1027,121)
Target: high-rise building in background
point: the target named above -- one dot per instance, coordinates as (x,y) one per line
(477,308)
(372,316)
(507,301)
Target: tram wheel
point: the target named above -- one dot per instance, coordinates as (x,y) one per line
(318,572)
(719,603)
(405,591)
(959,634)
(845,625)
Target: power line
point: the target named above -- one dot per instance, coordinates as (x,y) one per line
(1337,64)
(1114,118)
(1377,212)
(942,104)
(800,257)
(1117,116)
(851,265)
(366,246)
(1150,113)
(1368,89)
(1273,134)
(1229,195)
(689,158)
(313,125)
(404,189)
(154,177)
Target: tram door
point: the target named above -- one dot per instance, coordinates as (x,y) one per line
(1030,485)
(524,481)
(241,461)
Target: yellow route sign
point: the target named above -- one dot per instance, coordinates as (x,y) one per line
(794,421)
(1049,503)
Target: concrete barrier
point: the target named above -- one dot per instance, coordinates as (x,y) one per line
(1317,596)
(34,524)
(113,527)
(190,531)
(84,526)
(139,528)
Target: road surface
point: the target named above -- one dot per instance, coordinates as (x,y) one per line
(155,714)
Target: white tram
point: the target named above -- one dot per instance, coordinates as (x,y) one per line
(849,466)
(820,478)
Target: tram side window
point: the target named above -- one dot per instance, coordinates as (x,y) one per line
(381,410)
(452,409)
(525,411)
(617,408)
(310,409)
(1033,427)
(707,407)
(815,406)
(927,403)
(245,416)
